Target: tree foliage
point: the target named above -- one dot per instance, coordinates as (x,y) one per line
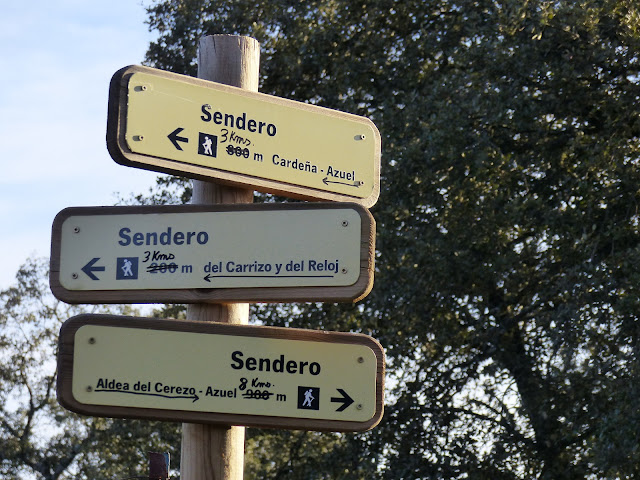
(507,264)
(506,290)
(38,438)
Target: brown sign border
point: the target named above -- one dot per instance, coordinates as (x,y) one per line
(347,293)
(68,401)
(119,151)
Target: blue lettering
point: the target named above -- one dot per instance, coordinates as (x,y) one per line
(126,239)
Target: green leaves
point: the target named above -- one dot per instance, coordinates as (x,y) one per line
(38,438)
(507,228)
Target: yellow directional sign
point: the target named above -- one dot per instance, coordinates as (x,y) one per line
(196,253)
(216,373)
(187,126)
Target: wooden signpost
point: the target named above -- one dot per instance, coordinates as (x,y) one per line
(214,373)
(221,253)
(187,126)
(216,452)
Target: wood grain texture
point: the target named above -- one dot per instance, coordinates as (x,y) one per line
(217,452)
(206,445)
(65,372)
(231,60)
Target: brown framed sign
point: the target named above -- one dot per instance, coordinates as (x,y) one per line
(200,372)
(182,125)
(213,253)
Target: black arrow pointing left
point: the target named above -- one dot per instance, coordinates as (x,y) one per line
(346,400)
(90,267)
(175,138)
(355,183)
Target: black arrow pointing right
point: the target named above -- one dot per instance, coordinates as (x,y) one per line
(195,396)
(175,138)
(346,400)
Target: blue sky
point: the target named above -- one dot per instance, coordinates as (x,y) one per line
(56,61)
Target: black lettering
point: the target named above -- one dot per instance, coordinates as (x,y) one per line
(237,358)
(264,365)
(296,164)
(241,121)
(291,366)
(314,368)
(278,365)
(159,256)
(206,117)
(250,364)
